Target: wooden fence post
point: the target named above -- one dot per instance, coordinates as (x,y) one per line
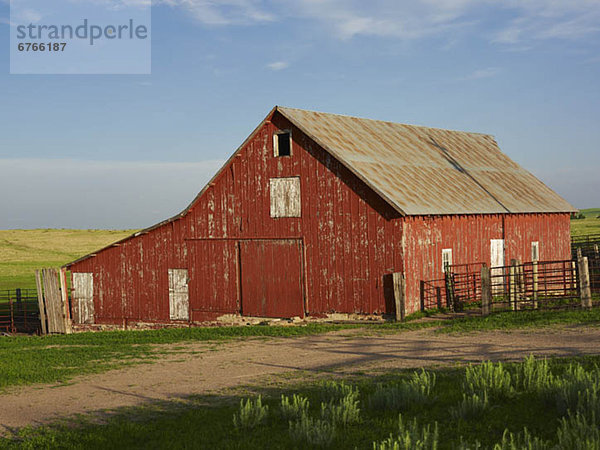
(12,314)
(65,300)
(422,292)
(40,295)
(535,283)
(486,291)
(450,297)
(520,284)
(438,297)
(584,283)
(512,288)
(398,282)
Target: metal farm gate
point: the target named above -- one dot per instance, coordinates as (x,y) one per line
(19,311)
(518,286)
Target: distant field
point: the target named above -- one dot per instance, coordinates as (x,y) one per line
(23,251)
(589,225)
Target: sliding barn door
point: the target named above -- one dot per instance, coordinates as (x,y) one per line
(271,278)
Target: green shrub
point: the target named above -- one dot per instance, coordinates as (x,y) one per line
(422,382)
(469,446)
(569,388)
(578,432)
(294,408)
(534,375)
(250,414)
(411,437)
(343,412)
(588,403)
(471,406)
(391,397)
(488,377)
(336,390)
(315,432)
(396,397)
(521,441)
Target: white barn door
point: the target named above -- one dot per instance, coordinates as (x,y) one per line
(83,298)
(497,252)
(179,301)
(496,260)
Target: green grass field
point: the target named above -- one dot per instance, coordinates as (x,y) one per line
(23,251)
(535,404)
(589,225)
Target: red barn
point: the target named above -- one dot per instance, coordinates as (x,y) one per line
(313,213)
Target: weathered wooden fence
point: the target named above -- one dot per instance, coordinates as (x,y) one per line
(53,301)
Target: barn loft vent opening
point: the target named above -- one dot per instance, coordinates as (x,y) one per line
(282,143)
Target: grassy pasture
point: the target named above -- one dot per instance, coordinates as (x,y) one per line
(534,404)
(589,225)
(23,251)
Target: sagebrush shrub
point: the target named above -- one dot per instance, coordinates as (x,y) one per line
(342,412)
(471,406)
(490,377)
(534,375)
(422,382)
(315,432)
(521,441)
(336,390)
(396,397)
(250,414)
(572,384)
(295,407)
(578,432)
(411,437)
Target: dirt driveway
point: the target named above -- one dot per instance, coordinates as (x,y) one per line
(202,368)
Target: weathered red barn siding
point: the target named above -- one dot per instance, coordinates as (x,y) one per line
(552,231)
(469,238)
(130,280)
(351,240)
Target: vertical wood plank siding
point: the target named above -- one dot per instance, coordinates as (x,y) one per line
(469,238)
(352,240)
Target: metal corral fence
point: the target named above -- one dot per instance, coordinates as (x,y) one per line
(589,246)
(518,286)
(464,280)
(19,311)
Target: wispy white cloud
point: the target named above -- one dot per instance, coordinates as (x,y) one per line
(27,15)
(224,12)
(531,20)
(478,74)
(278,65)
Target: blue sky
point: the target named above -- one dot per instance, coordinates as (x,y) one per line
(114,151)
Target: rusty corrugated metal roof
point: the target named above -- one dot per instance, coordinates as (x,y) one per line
(422,171)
